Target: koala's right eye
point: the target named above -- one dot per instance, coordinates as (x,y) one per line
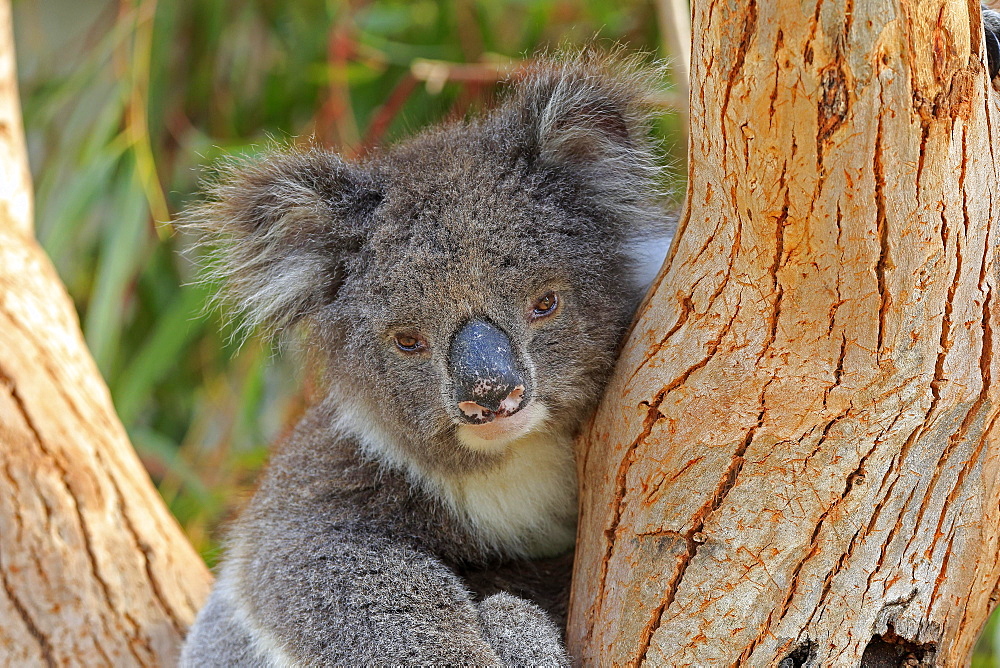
(410,343)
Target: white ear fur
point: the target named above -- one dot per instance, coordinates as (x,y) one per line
(281,230)
(269,279)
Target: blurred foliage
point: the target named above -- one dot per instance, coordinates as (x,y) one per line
(125,103)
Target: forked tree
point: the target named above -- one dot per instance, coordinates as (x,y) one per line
(795,462)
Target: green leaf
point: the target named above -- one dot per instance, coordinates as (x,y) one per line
(151,444)
(123,247)
(162,352)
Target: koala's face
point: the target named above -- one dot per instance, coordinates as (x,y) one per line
(469,287)
(480,307)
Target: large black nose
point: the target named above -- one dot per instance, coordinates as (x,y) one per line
(484,368)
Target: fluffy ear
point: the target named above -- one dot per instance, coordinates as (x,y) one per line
(590,114)
(283,230)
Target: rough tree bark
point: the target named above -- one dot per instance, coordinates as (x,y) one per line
(93,568)
(796,462)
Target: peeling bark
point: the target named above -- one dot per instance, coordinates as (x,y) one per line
(93,568)
(796,461)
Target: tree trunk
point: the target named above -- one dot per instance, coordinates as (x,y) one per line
(93,568)
(796,461)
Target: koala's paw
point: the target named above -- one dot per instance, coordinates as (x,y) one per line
(521,633)
(991,26)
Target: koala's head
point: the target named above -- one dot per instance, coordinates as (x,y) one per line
(469,286)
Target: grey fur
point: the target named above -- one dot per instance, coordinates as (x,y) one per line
(381,533)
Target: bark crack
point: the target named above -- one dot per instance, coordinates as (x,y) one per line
(33,629)
(855,478)
(882,230)
(29,623)
(652,416)
(87,539)
(959,436)
(813,541)
(985,360)
(749,29)
(925,131)
(145,550)
(778,45)
(840,300)
(779,250)
(726,483)
(688,308)
(896,527)
(838,372)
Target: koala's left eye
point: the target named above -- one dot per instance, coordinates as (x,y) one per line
(545,306)
(410,343)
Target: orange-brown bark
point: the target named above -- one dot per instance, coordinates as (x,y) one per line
(796,461)
(93,569)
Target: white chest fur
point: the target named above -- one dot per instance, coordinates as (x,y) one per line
(527,503)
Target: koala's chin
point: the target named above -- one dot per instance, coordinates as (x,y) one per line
(501,434)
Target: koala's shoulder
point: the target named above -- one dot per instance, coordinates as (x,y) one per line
(323,471)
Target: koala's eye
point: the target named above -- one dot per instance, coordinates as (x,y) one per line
(545,306)
(410,343)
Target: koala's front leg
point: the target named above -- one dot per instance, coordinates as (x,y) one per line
(323,596)
(308,594)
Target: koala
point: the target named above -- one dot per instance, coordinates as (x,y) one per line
(463,294)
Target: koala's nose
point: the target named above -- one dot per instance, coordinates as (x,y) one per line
(476,412)
(484,369)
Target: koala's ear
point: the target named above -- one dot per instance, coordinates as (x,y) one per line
(283,230)
(590,113)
